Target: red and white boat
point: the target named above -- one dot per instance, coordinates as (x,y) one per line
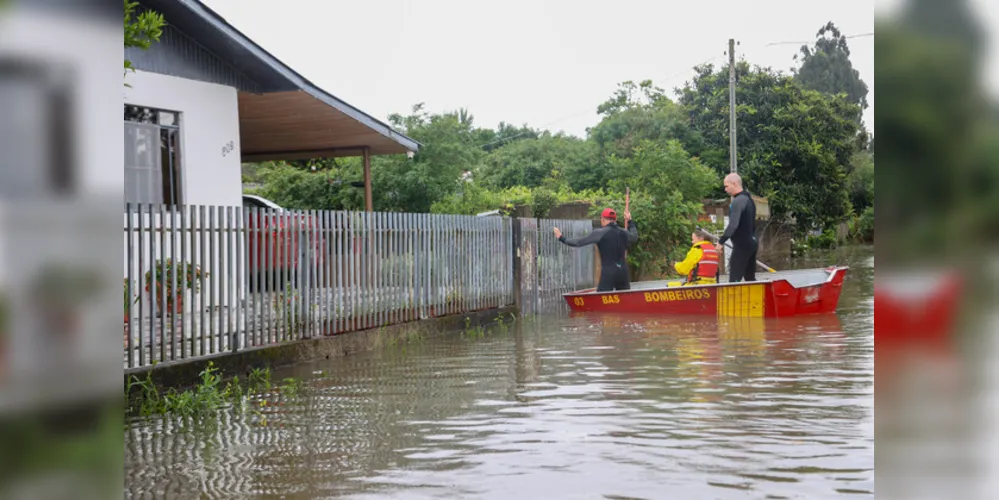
(773,295)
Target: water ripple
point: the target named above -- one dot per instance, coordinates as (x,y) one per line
(612,407)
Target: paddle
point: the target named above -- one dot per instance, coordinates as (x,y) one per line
(627,204)
(764,266)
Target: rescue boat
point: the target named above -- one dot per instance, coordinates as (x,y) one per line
(773,295)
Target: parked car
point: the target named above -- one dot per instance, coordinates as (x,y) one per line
(275,243)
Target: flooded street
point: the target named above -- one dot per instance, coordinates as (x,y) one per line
(590,406)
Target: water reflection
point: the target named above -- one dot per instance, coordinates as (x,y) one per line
(567,406)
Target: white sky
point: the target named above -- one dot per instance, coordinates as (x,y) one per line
(546,63)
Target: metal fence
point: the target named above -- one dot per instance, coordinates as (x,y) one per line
(228,278)
(551,268)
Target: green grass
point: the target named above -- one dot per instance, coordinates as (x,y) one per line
(210,395)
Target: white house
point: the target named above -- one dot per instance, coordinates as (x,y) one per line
(205,98)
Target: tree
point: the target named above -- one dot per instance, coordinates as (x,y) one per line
(529,162)
(668,185)
(662,169)
(794,143)
(449,149)
(504,134)
(294,187)
(861,181)
(141,30)
(638,113)
(826,67)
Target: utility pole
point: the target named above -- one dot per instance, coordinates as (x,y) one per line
(731,104)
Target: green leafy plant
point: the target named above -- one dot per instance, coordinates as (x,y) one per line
(285,306)
(210,395)
(542,202)
(825,240)
(188,276)
(862,226)
(141,30)
(475,332)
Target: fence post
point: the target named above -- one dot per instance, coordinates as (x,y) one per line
(518,298)
(306,256)
(596,255)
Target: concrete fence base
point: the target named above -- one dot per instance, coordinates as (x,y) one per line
(186,373)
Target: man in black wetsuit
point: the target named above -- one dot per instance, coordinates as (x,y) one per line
(741,230)
(612,241)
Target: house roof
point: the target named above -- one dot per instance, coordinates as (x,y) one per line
(291,115)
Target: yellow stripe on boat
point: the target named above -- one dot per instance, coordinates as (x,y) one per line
(744,301)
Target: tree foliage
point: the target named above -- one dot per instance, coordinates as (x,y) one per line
(826,67)
(861,181)
(797,145)
(141,30)
(661,169)
(637,113)
(794,144)
(529,162)
(667,186)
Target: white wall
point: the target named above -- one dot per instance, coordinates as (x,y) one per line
(209,123)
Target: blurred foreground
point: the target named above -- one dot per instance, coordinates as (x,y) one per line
(60,202)
(937,134)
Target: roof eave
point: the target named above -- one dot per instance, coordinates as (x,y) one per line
(216,21)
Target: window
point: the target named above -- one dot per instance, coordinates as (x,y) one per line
(152,156)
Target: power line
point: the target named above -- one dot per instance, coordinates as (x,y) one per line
(660,81)
(771,44)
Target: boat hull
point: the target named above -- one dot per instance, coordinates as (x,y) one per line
(789,293)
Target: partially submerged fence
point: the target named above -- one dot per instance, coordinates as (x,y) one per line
(202,280)
(551,268)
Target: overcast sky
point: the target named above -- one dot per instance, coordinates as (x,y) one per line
(546,63)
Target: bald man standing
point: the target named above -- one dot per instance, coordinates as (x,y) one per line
(741,230)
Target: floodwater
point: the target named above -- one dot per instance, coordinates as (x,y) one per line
(556,407)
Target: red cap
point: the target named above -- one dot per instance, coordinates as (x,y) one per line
(609,213)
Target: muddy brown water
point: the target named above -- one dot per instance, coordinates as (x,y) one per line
(559,406)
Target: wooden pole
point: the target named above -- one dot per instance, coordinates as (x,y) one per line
(518,270)
(731,106)
(368,202)
(627,204)
(627,208)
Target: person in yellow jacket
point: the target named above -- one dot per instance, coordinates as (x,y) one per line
(701,264)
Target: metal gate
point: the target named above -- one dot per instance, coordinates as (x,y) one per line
(549,268)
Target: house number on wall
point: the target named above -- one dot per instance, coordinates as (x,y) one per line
(228,148)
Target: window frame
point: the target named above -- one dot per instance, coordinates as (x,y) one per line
(173,169)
